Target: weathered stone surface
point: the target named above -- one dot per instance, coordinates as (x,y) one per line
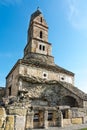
(2,112)
(20,122)
(66,122)
(85,120)
(18,111)
(2,92)
(1,122)
(79,112)
(9,123)
(2,117)
(45,119)
(2,129)
(29,120)
(76,121)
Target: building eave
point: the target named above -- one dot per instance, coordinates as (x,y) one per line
(13,68)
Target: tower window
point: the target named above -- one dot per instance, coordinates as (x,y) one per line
(41,19)
(40,47)
(41,34)
(43,48)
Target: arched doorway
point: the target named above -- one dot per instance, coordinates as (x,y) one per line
(69,101)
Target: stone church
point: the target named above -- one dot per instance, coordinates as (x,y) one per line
(39,92)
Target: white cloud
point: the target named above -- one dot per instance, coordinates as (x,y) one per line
(9,2)
(77,13)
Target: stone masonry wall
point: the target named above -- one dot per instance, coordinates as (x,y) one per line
(22,119)
(6,121)
(35,48)
(55,94)
(2,93)
(12,82)
(24,70)
(38,27)
(50,75)
(42,58)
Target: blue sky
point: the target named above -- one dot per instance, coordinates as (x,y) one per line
(67,21)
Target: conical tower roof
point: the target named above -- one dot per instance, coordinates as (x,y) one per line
(35,14)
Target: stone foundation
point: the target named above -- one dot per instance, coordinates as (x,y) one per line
(25,119)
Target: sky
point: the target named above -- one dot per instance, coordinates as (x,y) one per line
(67,21)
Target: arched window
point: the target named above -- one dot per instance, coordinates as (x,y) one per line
(41,34)
(41,19)
(43,48)
(40,47)
(69,101)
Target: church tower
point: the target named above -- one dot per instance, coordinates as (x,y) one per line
(38,48)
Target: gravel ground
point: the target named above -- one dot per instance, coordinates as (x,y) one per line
(72,127)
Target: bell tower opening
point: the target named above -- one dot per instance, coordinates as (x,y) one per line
(41,19)
(41,34)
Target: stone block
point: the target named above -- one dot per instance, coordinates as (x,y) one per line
(29,120)
(18,111)
(9,123)
(2,116)
(76,121)
(2,129)
(2,112)
(66,122)
(1,122)
(20,122)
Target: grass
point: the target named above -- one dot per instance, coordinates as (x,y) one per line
(84,129)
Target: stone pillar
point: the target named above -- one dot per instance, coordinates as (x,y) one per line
(60,119)
(45,119)
(19,122)
(69,114)
(54,118)
(29,120)
(41,118)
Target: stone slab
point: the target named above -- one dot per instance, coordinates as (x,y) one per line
(19,122)
(76,121)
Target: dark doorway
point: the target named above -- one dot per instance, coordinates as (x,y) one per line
(69,101)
